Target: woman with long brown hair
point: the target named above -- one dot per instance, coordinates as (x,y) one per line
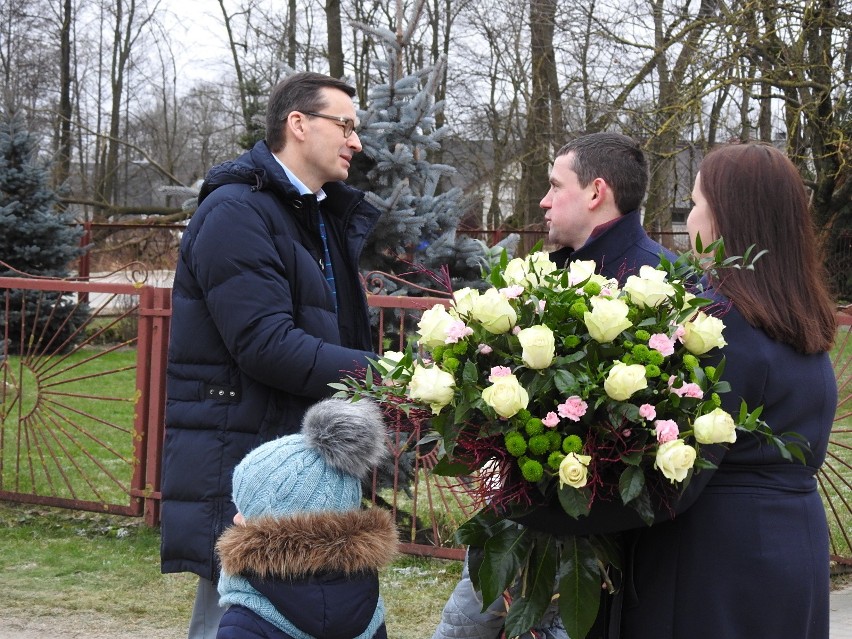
(743,551)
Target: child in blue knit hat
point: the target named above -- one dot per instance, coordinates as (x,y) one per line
(302,560)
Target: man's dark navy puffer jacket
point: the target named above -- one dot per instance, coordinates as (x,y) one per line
(255,339)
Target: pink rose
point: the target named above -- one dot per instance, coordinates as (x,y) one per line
(572,408)
(667,430)
(662,343)
(551,420)
(646,411)
(499,371)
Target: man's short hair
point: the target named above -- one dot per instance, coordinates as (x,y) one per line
(617,159)
(298,92)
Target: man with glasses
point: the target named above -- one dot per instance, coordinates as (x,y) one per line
(268,309)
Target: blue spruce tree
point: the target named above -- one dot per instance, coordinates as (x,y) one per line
(36,239)
(418,228)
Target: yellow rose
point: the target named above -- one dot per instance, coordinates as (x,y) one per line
(607,319)
(431,385)
(674,459)
(494,312)
(703,333)
(433,326)
(574,470)
(715,427)
(650,288)
(624,380)
(506,396)
(539,346)
(463,301)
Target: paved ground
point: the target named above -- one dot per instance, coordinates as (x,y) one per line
(841,613)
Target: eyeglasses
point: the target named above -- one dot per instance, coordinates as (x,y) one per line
(348,124)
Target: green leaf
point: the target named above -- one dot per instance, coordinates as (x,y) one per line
(642,505)
(445,467)
(504,555)
(536,589)
(631,483)
(565,382)
(574,501)
(579,587)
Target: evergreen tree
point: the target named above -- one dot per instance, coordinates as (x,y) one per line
(417,231)
(36,239)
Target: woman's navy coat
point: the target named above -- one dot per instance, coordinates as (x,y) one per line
(746,554)
(254,338)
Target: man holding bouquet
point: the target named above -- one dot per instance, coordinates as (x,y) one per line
(597,184)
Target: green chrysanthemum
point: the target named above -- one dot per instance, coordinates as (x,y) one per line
(690,360)
(554,459)
(534,426)
(539,444)
(532,470)
(460,348)
(451,364)
(515,443)
(652,370)
(641,353)
(571,341)
(555,440)
(592,288)
(710,371)
(656,358)
(579,309)
(717,401)
(572,444)
(643,335)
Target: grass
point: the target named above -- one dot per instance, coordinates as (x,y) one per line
(59,563)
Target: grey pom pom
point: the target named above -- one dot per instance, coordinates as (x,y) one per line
(349,435)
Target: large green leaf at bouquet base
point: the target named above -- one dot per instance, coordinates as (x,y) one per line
(505,554)
(579,586)
(533,595)
(573,501)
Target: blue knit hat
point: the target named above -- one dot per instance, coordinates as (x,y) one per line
(319,468)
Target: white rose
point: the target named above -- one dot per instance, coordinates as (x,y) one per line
(463,301)
(506,396)
(650,288)
(494,312)
(528,272)
(580,271)
(539,346)
(674,459)
(715,427)
(538,265)
(431,385)
(388,362)
(703,333)
(607,319)
(433,326)
(624,380)
(574,470)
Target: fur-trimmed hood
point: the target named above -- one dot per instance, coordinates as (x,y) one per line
(304,544)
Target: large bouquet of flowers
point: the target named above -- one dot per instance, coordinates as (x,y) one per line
(559,384)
